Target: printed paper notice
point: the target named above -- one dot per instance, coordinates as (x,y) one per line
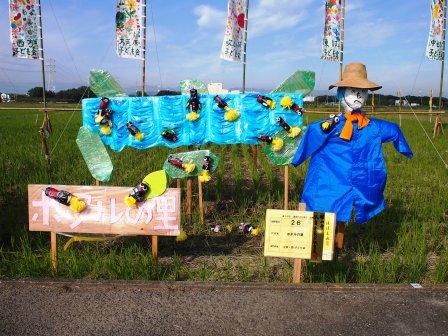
(288,234)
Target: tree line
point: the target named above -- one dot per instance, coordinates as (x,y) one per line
(74,95)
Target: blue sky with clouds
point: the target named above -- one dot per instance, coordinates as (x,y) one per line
(284,35)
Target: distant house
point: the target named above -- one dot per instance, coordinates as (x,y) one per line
(402,102)
(218,88)
(309,99)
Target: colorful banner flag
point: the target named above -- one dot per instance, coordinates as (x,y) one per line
(129,28)
(25,33)
(233,44)
(331,46)
(435,48)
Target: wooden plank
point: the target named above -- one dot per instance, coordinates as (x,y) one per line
(106,212)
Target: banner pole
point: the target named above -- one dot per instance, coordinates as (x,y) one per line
(443,58)
(246,20)
(144,47)
(46,126)
(341,52)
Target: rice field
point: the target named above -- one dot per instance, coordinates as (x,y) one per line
(406,243)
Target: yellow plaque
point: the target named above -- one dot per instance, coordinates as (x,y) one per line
(288,234)
(329,228)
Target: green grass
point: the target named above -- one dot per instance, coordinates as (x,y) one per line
(406,243)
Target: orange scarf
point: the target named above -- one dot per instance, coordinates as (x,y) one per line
(347,130)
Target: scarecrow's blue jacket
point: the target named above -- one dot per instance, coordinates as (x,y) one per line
(345,174)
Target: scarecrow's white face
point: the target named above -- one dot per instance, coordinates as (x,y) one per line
(354,98)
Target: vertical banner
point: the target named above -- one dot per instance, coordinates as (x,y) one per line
(25,34)
(233,44)
(331,46)
(435,47)
(129,29)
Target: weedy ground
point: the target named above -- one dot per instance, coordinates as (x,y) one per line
(406,243)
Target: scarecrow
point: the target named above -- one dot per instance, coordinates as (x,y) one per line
(347,170)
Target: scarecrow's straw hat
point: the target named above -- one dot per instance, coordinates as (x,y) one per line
(355,76)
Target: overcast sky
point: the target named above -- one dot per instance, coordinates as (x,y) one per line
(284,35)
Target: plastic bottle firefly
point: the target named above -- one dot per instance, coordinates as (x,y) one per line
(292,131)
(204,176)
(194,105)
(176,162)
(248,228)
(329,123)
(64,197)
(230,114)
(137,195)
(135,131)
(169,135)
(288,103)
(276,143)
(266,102)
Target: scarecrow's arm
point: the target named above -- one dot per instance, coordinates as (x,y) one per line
(313,139)
(391,132)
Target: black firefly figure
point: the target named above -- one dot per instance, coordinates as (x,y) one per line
(169,135)
(283,124)
(265,138)
(193,103)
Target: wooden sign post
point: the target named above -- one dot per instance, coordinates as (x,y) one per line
(106,213)
(291,234)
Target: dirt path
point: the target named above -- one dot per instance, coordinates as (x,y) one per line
(149,308)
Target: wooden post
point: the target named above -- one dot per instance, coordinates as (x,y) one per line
(430,106)
(201,206)
(154,247)
(178,183)
(438,127)
(54,252)
(189,194)
(254,152)
(189,198)
(286,187)
(373,102)
(297,270)
(340,231)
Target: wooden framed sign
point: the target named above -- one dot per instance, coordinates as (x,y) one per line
(299,234)
(106,212)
